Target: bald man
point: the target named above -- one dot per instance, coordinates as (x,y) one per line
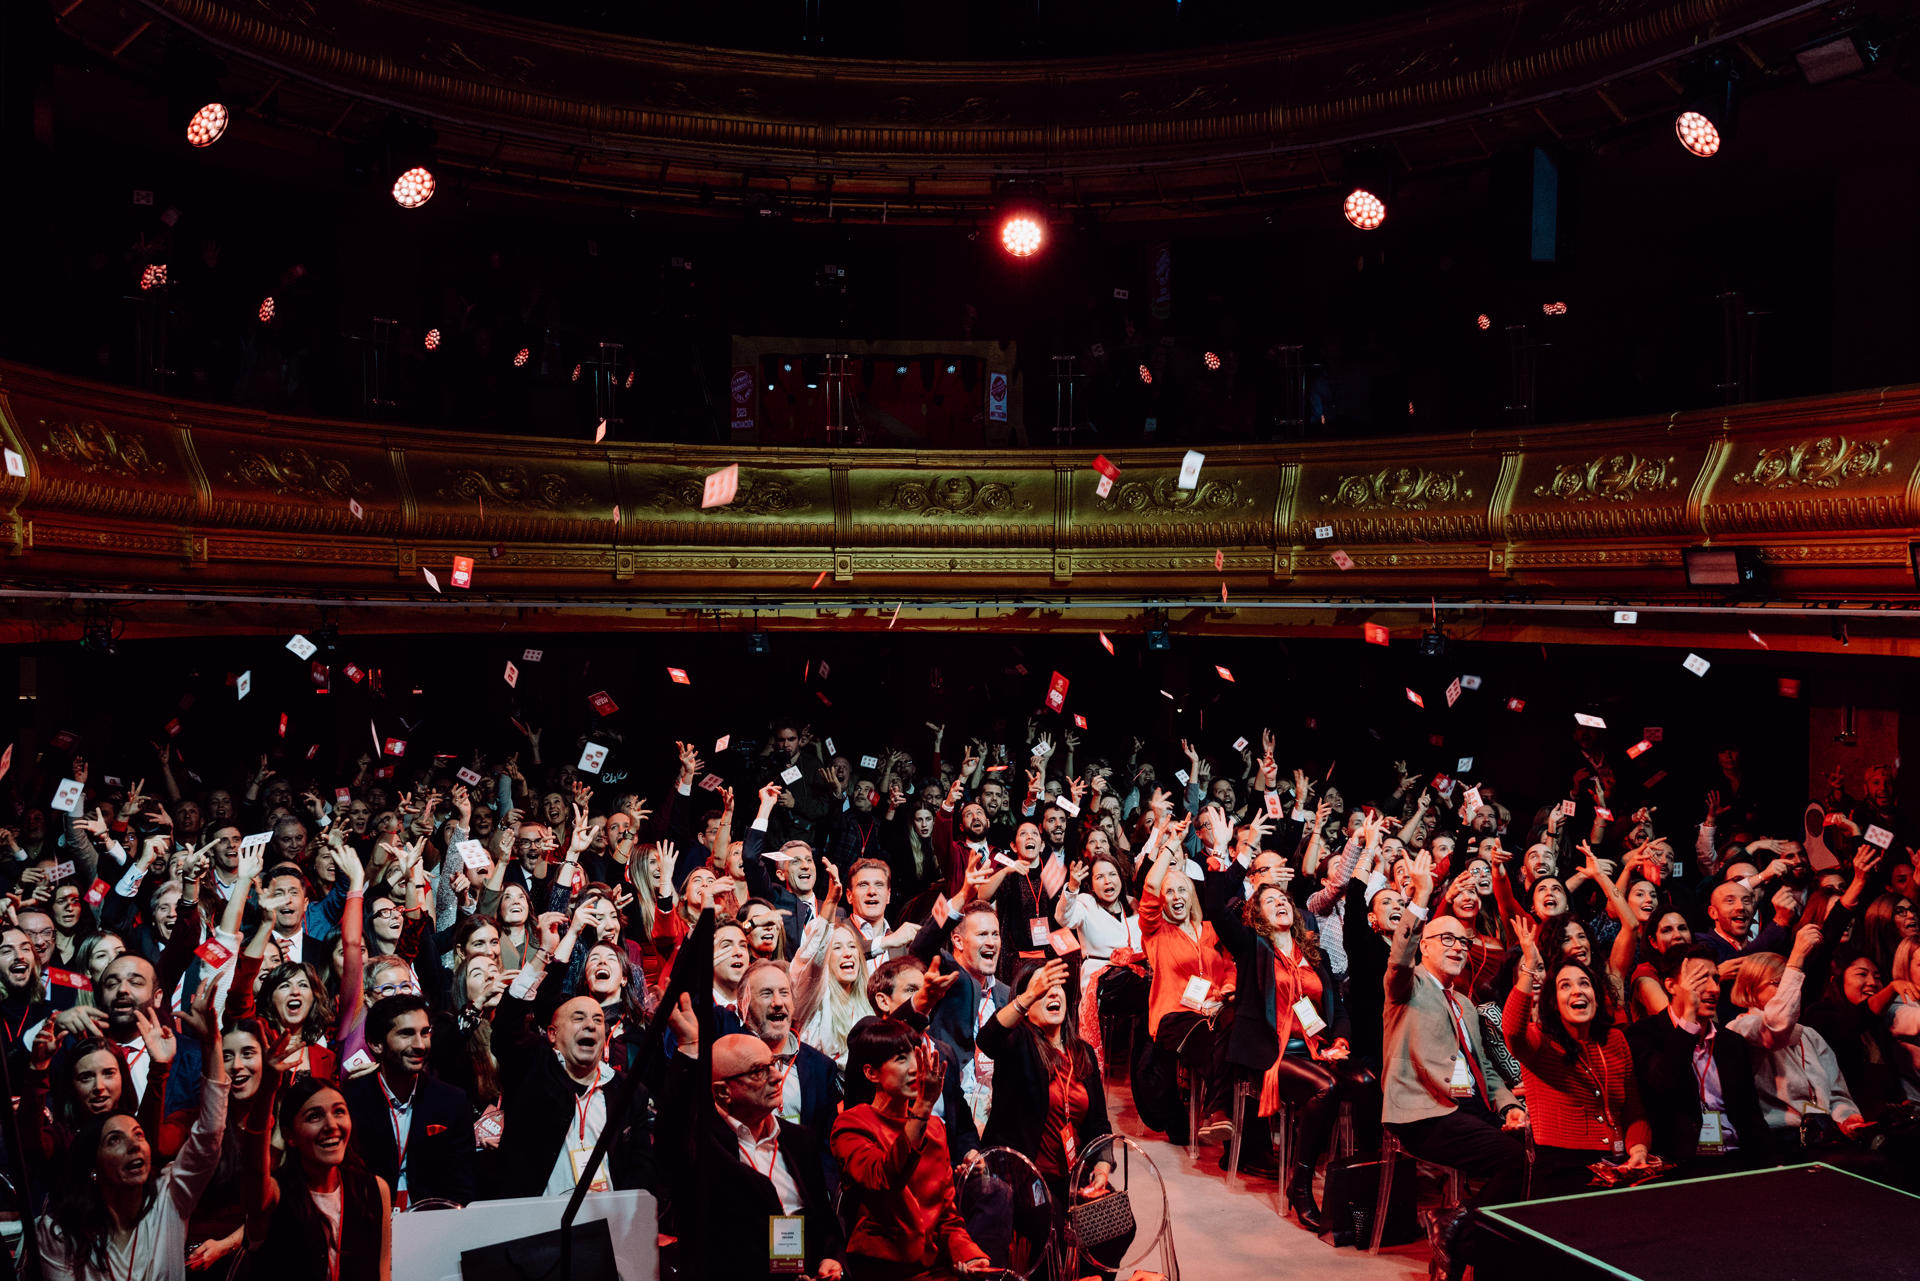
(556,1087)
(761,1178)
(1442,1098)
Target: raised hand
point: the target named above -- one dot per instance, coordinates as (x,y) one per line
(1043,980)
(930,1077)
(1527,931)
(155,1035)
(934,987)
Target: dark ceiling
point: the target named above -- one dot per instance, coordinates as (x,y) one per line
(944,30)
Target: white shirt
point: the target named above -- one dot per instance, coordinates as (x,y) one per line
(976,1072)
(1101,934)
(292,945)
(763,1154)
(873,932)
(138,1064)
(400,1116)
(790,1098)
(157,1250)
(583,1132)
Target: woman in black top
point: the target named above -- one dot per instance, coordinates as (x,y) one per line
(1048,1099)
(322,1216)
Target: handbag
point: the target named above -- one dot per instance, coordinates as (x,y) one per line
(1101,1220)
(537,1258)
(1351,1192)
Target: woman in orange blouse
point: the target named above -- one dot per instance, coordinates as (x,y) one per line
(1189,1007)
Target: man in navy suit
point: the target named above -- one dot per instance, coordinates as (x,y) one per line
(972,931)
(413,1130)
(900,990)
(810,1086)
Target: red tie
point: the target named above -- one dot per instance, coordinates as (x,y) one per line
(1466,1049)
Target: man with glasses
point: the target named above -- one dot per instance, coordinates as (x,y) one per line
(530,870)
(762,1177)
(1442,1097)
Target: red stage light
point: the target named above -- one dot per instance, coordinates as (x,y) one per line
(1553,309)
(520,357)
(1697,133)
(1146,375)
(1022,235)
(433,339)
(266,309)
(1364,209)
(576,373)
(413,188)
(629,380)
(1483,320)
(154,276)
(207,125)
(1212,361)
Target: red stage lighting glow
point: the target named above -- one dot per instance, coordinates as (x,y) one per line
(1022,235)
(629,380)
(154,276)
(413,188)
(207,125)
(1212,361)
(1146,375)
(576,373)
(1483,320)
(1697,133)
(1553,308)
(520,357)
(1364,209)
(433,339)
(266,309)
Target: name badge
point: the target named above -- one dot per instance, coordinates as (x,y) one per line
(1713,1133)
(1040,930)
(1308,1018)
(578,1154)
(1195,997)
(1461,1086)
(786,1244)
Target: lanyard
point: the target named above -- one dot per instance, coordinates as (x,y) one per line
(133,1251)
(585,1105)
(1700,1073)
(395,1110)
(747,1148)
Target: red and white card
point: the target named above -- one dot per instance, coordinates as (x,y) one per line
(463,571)
(1057,692)
(721,487)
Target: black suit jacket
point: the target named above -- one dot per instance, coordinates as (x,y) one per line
(1670,1092)
(737,1199)
(439,1138)
(1022,1086)
(1254,1043)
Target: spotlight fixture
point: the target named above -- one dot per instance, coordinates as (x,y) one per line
(154,276)
(1553,309)
(207,125)
(1146,375)
(520,357)
(1483,320)
(266,310)
(1020,223)
(1022,236)
(758,642)
(576,373)
(97,634)
(414,187)
(1364,209)
(1433,644)
(433,339)
(1159,638)
(1837,57)
(1697,133)
(1212,361)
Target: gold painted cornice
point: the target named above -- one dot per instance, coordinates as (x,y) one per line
(522,98)
(125,488)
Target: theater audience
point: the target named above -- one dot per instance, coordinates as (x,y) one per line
(411,1018)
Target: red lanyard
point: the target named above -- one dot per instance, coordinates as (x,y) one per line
(394,1110)
(747,1148)
(133,1251)
(585,1105)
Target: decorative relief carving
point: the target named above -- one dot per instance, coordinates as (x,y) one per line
(1163,497)
(1825,462)
(1618,478)
(1405,488)
(95,448)
(295,473)
(1434,527)
(515,487)
(764,496)
(952,496)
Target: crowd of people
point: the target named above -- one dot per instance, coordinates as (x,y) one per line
(248,1021)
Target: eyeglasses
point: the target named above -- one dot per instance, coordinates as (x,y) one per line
(380,912)
(1450,942)
(405,987)
(40,936)
(758,1075)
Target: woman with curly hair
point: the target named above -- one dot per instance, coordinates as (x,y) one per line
(1290,1030)
(1572,1053)
(114,1215)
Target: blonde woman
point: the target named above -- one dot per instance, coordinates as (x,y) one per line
(829,979)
